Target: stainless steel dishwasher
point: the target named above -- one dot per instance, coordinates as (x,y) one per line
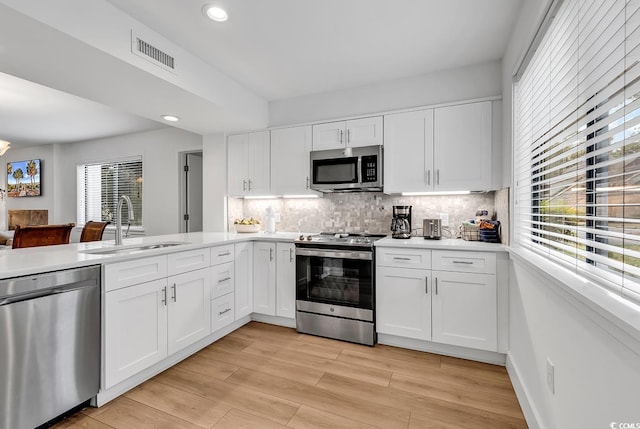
(49,345)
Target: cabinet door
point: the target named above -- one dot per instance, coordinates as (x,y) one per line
(408,152)
(135,329)
(243,266)
(465,310)
(403,302)
(259,163)
(286,280)
(237,165)
(364,132)
(462,147)
(189,297)
(329,136)
(264,278)
(290,149)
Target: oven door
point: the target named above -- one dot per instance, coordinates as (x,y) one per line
(336,281)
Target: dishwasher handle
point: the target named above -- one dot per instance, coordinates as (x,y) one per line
(39,293)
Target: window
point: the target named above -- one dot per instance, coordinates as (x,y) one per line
(577,142)
(101,184)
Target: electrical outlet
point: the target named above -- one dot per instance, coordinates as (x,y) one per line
(444,217)
(277,217)
(551,376)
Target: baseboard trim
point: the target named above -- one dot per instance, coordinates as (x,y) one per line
(529,409)
(274,320)
(443,349)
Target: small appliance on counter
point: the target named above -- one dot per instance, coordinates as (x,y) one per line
(401,222)
(432,229)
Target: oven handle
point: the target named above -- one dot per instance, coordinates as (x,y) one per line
(338,254)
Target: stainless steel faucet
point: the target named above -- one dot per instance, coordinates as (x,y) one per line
(122,199)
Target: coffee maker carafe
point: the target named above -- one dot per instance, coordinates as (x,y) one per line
(401,222)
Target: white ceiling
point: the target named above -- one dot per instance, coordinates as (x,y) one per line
(288,48)
(32,114)
(277,49)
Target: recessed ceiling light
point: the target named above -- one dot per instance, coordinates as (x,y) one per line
(215,12)
(170,118)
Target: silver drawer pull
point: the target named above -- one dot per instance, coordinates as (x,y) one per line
(463,262)
(226,279)
(227,253)
(397,258)
(224,312)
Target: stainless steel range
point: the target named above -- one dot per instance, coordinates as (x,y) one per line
(335,292)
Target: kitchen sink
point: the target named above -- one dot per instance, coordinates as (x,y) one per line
(132,249)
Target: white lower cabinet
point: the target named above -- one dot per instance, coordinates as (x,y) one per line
(222,311)
(465,310)
(264,278)
(135,329)
(403,299)
(243,268)
(455,305)
(286,280)
(189,317)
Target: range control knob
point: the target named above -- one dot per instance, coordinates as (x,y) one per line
(301,238)
(308,237)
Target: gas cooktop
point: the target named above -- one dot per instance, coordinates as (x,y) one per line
(342,239)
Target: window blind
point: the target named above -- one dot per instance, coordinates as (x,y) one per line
(100,185)
(577,143)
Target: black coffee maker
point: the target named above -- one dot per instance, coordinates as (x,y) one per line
(401,222)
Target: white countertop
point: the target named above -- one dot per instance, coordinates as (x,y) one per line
(442,244)
(20,262)
(32,260)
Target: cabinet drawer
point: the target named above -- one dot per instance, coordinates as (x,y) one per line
(465,262)
(403,258)
(130,273)
(222,279)
(188,261)
(222,311)
(222,254)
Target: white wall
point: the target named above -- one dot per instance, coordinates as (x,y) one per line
(214,178)
(482,80)
(161,168)
(597,376)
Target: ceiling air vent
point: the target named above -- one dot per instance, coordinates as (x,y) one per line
(149,52)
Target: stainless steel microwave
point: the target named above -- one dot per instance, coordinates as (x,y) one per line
(343,170)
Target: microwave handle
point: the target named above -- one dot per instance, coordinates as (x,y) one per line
(359,170)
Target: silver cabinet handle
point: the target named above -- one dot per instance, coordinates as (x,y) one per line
(175,293)
(164,295)
(249,184)
(307,182)
(348,135)
(429,177)
(244,185)
(341,139)
(227,253)
(438,176)
(271,254)
(426,285)
(226,279)
(290,255)
(398,258)
(436,285)
(220,313)
(463,262)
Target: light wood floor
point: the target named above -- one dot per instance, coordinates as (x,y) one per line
(264,376)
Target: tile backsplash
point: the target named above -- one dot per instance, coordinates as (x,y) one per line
(360,212)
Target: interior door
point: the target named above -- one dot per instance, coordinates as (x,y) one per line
(193,188)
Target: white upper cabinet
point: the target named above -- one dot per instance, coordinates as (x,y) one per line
(462,152)
(408,152)
(248,164)
(442,149)
(353,133)
(290,149)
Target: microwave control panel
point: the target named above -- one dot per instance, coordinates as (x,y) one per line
(369,168)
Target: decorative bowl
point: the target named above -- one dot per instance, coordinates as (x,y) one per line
(247,228)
